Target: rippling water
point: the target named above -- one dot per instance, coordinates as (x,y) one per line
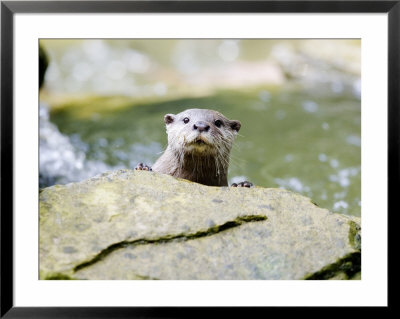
(299,106)
(288,141)
(62,158)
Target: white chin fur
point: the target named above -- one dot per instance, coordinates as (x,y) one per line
(197,148)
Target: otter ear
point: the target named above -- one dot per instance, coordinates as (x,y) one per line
(169,118)
(235,125)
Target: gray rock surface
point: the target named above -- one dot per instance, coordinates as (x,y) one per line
(143,225)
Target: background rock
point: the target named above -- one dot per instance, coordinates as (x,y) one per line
(143,225)
(43,64)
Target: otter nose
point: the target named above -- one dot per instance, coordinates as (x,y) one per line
(201,126)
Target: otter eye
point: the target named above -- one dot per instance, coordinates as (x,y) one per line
(186,120)
(218,123)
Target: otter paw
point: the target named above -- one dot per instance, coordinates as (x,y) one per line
(143,167)
(242,184)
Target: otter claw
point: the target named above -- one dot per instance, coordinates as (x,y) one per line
(242,184)
(142,167)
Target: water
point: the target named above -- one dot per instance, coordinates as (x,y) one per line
(62,158)
(286,140)
(298,102)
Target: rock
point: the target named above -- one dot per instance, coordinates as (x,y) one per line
(144,225)
(43,64)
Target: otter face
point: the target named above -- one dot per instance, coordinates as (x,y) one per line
(201,132)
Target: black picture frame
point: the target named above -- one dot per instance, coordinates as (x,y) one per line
(9,8)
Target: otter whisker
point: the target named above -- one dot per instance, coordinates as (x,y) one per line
(198,148)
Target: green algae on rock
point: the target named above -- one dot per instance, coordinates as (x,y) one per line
(142,225)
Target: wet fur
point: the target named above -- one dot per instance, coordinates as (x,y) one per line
(202,163)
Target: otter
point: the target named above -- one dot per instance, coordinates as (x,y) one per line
(199,145)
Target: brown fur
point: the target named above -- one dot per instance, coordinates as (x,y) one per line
(198,150)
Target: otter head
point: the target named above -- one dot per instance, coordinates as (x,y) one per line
(201,132)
